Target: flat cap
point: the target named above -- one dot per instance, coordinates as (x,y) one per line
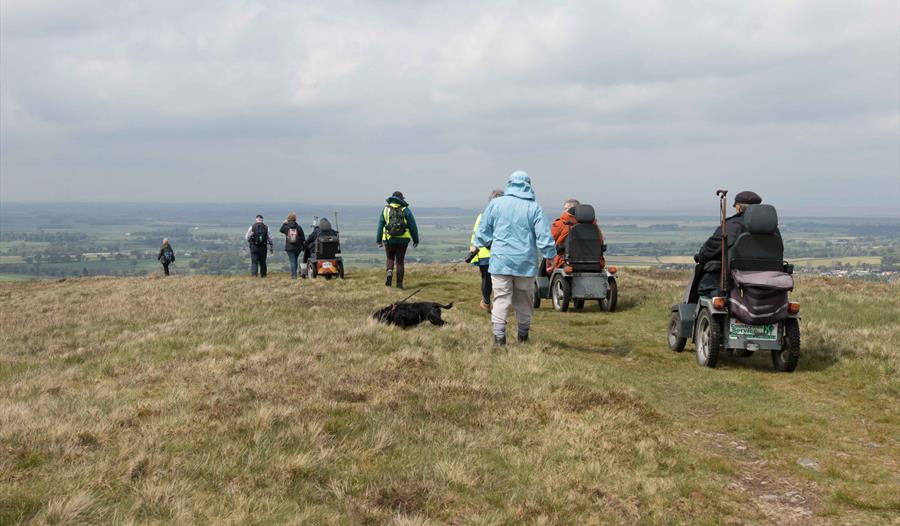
(747,198)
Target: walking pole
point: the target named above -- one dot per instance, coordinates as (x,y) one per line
(723,205)
(336,226)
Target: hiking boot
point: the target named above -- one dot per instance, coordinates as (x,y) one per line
(523,337)
(485,306)
(399,284)
(389,279)
(499,341)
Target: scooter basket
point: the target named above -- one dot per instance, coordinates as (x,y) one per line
(759,297)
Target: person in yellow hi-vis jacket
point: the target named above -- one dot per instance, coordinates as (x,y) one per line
(482,258)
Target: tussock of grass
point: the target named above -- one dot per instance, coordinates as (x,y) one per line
(232,400)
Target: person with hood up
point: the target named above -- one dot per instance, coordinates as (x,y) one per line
(396,228)
(517,232)
(294,242)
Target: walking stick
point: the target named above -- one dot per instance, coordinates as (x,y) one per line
(723,205)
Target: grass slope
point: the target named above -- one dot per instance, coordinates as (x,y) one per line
(232,400)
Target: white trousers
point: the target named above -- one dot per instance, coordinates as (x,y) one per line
(516,292)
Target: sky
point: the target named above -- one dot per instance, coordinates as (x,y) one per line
(629,105)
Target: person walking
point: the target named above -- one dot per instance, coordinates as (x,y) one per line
(294,242)
(515,229)
(166,255)
(259,240)
(396,228)
(482,259)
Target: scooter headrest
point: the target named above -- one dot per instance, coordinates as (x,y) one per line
(584,214)
(761,219)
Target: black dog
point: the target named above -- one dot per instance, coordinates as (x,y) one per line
(411,314)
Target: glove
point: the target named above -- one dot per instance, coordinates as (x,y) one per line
(380,245)
(696,258)
(415,244)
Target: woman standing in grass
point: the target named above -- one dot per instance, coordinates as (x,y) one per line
(482,259)
(166,255)
(293,241)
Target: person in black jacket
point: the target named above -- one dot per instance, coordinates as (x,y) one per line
(166,255)
(323,228)
(258,238)
(294,241)
(710,254)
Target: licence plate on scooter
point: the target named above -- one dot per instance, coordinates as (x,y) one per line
(327,264)
(753,332)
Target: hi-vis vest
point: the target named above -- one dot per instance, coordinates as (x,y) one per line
(387,217)
(483,252)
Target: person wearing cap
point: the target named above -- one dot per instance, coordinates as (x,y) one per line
(396,228)
(710,253)
(517,232)
(258,239)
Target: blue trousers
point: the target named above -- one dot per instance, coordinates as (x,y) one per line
(293,255)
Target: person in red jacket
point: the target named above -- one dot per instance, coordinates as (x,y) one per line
(560,231)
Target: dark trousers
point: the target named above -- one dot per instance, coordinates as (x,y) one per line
(486,287)
(165,268)
(258,259)
(395,256)
(292,256)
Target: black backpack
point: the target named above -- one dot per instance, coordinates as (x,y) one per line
(396,222)
(260,234)
(168,254)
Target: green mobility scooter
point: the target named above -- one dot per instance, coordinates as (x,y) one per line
(751,311)
(583,276)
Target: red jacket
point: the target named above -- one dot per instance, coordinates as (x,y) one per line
(560,230)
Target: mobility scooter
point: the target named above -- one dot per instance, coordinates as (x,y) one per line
(751,311)
(583,275)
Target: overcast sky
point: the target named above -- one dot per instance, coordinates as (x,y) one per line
(627,104)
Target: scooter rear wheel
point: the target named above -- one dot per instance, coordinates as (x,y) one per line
(709,339)
(612,297)
(787,358)
(676,344)
(560,293)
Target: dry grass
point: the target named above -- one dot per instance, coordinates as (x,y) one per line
(238,401)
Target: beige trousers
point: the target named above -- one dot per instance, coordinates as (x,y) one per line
(516,292)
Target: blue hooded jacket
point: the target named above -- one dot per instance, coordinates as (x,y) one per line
(516,230)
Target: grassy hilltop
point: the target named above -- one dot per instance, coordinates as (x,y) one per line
(238,401)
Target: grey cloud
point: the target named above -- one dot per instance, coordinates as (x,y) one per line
(114,100)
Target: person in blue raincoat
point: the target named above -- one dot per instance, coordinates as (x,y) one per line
(515,228)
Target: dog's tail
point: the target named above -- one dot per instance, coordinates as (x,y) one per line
(447,306)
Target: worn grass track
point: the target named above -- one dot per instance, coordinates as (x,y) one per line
(231,400)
